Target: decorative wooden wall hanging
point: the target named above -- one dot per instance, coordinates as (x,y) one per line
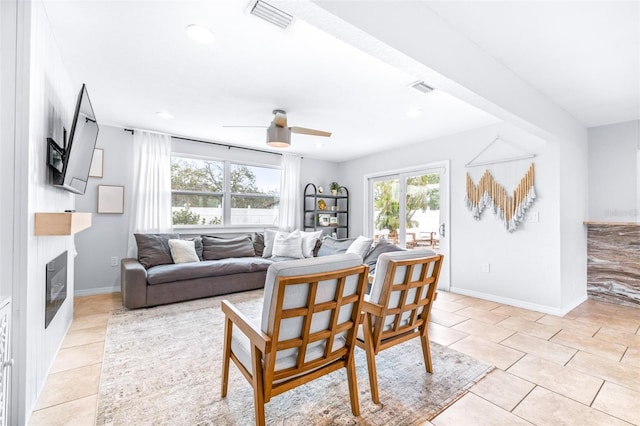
(489,193)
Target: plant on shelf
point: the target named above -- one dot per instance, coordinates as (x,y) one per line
(335,188)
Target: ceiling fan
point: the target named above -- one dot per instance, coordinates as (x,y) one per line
(279,135)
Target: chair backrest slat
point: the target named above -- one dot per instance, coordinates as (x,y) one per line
(311,317)
(407,291)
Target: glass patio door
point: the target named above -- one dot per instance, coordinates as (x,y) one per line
(410,209)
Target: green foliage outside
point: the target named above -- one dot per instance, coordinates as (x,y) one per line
(418,197)
(186,217)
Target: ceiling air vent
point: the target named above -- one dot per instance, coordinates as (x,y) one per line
(271,14)
(420,86)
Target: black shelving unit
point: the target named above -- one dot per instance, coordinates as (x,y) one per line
(326,212)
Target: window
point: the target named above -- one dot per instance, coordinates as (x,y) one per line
(406,208)
(207,192)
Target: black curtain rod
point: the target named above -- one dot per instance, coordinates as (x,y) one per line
(217,143)
(226,145)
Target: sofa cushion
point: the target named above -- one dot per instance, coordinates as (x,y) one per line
(269,238)
(334,246)
(258,243)
(197,242)
(309,242)
(361,246)
(153,249)
(208,268)
(382,246)
(288,245)
(215,248)
(183,251)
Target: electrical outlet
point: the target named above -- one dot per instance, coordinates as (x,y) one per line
(114,260)
(486,267)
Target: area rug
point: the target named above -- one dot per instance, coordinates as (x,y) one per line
(162,366)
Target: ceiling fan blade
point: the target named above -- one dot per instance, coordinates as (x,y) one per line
(305,131)
(264,127)
(280,118)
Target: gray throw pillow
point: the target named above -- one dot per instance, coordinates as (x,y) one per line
(215,248)
(153,249)
(334,246)
(382,246)
(258,243)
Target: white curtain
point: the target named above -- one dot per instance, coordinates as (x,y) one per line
(151,192)
(290,193)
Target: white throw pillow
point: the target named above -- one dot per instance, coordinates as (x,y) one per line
(183,251)
(288,245)
(361,246)
(269,237)
(309,240)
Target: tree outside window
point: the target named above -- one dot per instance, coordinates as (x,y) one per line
(199,196)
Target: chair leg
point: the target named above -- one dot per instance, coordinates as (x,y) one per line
(426,353)
(353,386)
(258,386)
(371,360)
(226,355)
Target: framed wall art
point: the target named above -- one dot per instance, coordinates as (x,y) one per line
(111,199)
(97,163)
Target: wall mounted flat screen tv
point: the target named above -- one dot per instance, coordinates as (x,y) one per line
(77,156)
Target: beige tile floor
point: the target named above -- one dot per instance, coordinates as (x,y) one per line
(582,369)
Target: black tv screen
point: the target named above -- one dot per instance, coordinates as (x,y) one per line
(79,152)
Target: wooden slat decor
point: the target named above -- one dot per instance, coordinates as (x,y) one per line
(489,193)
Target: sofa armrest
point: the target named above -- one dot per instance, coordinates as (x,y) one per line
(133,284)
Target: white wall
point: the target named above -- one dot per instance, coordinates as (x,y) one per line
(108,236)
(613,174)
(9,85)
(525,265)
(46,85)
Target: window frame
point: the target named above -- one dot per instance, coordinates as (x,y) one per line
(226,193)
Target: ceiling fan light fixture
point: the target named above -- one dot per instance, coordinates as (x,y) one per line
(278,137)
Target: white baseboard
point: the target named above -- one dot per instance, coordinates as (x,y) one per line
(513,302)
(571,306)
(94,291)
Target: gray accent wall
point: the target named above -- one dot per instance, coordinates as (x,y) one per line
(107,236)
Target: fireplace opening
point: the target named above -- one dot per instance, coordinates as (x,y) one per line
(56,288)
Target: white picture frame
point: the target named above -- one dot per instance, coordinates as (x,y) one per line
(110,199)
(97,163)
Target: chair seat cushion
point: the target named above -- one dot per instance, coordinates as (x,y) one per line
(207,268)
(241,347)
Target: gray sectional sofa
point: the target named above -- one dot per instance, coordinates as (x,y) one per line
(224,265)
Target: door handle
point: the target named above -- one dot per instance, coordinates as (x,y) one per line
(441,230)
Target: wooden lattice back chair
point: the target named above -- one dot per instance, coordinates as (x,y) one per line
(311,311)
(398,308)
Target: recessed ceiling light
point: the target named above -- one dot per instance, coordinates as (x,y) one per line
(164,115)
(415,112)
(200,34)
